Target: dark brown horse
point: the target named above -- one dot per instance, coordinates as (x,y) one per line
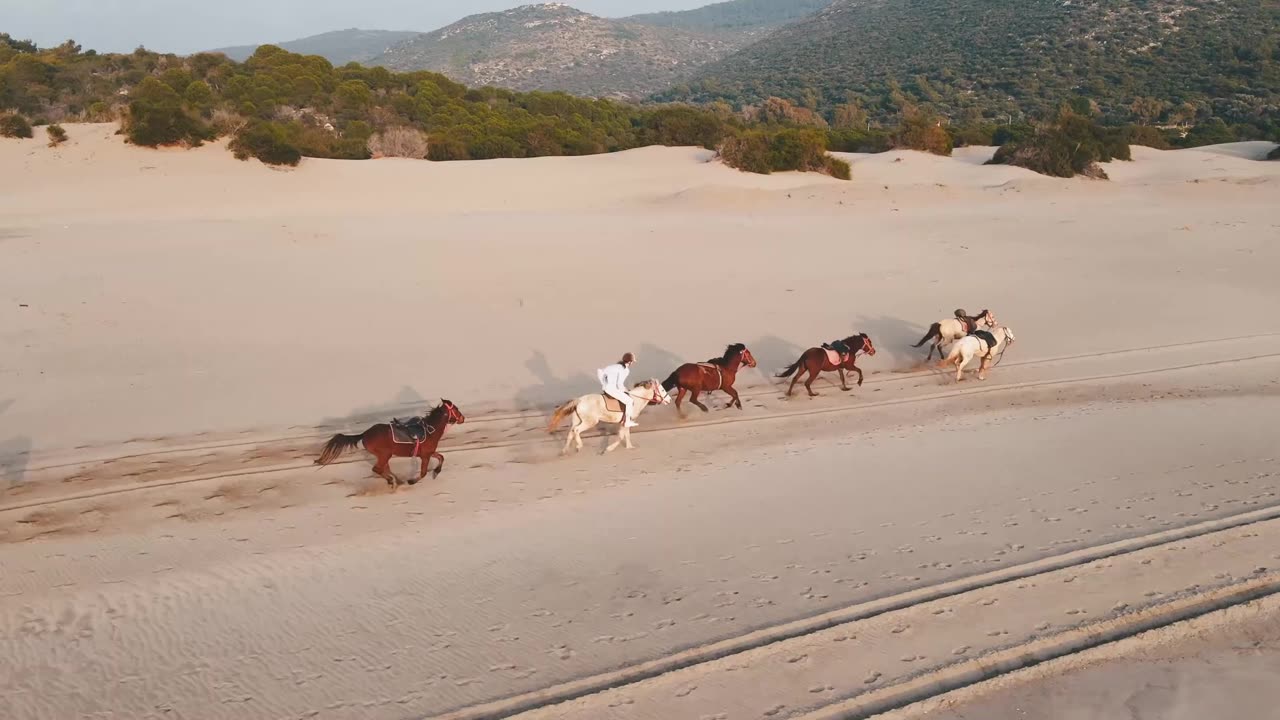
(715,374)
(817,360)
(381,441)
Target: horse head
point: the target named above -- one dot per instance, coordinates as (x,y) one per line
(1008,335)
(660,395)
(742,352)
(861,341)
(452,414)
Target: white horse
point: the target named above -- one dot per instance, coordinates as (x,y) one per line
(964,350)
(954,328)
(591,410)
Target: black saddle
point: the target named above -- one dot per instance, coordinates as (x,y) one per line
(410,430)
(839,346)
(985,337)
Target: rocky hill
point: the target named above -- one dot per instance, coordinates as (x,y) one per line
(338,47)
(556,47)
(1136,59)
(750,17)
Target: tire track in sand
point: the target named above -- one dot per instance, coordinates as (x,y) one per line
(773,654)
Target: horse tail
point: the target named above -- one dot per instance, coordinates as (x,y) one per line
(336,446)
(791,368)
(560,414)
(935,330)
(672,380)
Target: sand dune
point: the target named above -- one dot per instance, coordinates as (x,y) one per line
(183,330)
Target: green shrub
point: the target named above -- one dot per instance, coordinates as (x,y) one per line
(783,149)
(1071,145)
(859,141)
(266,141)
(157,116)
(798,149)
(921,131)
(748,151)
(681,126)
(1148,136)
(13,125)
(973,135)
(1274,154)
(1212,132)
(57,135)
(837,168)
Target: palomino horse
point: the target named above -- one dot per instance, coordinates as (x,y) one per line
(968,346)
(817,360)
(381,441)
(591,410)
(715,374)
(952,329)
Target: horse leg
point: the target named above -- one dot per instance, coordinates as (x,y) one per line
(693,398)
(624,432)
(843,385)
(439,465)
(733,398)
(808,384)
(982,369)
(382,468)
(858,370)
(679,400)
(794,379)
(961,361)
(424,461)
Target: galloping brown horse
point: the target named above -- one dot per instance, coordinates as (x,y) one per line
(715,374)
(381,441)
(817,360)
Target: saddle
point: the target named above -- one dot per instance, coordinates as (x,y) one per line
(411,430)
(837,352)
(611,403)
(985,337)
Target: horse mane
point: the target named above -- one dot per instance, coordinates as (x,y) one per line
(729,352)
(860,338)
(438,409)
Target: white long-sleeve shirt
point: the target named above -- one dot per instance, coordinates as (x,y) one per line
(614,377)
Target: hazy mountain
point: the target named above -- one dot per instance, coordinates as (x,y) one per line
(338,47)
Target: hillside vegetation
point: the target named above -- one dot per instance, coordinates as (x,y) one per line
(338,47)
(1145,61)
(555,47)
(280,107)
(733,16)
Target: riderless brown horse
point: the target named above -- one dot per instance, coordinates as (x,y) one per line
(830,357)
(413,437)
(715,374)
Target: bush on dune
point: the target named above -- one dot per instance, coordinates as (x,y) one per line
(1070,145)
(13,125)
(920,130)
(783,149)
(57,135)
(266,141)
(1274,154)
(158,116)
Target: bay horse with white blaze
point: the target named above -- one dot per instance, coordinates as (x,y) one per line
(381,441)
(840,355)
(714,374)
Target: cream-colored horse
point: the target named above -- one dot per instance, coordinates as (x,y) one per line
(964,350)
(590,410)
(952,329)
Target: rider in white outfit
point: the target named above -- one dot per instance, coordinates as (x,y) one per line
(613,381)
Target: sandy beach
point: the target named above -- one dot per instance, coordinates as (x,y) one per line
(182,331)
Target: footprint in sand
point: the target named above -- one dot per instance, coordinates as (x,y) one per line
(872,678)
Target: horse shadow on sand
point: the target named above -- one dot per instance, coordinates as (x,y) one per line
(15,455)
(551,389)
(406,402)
